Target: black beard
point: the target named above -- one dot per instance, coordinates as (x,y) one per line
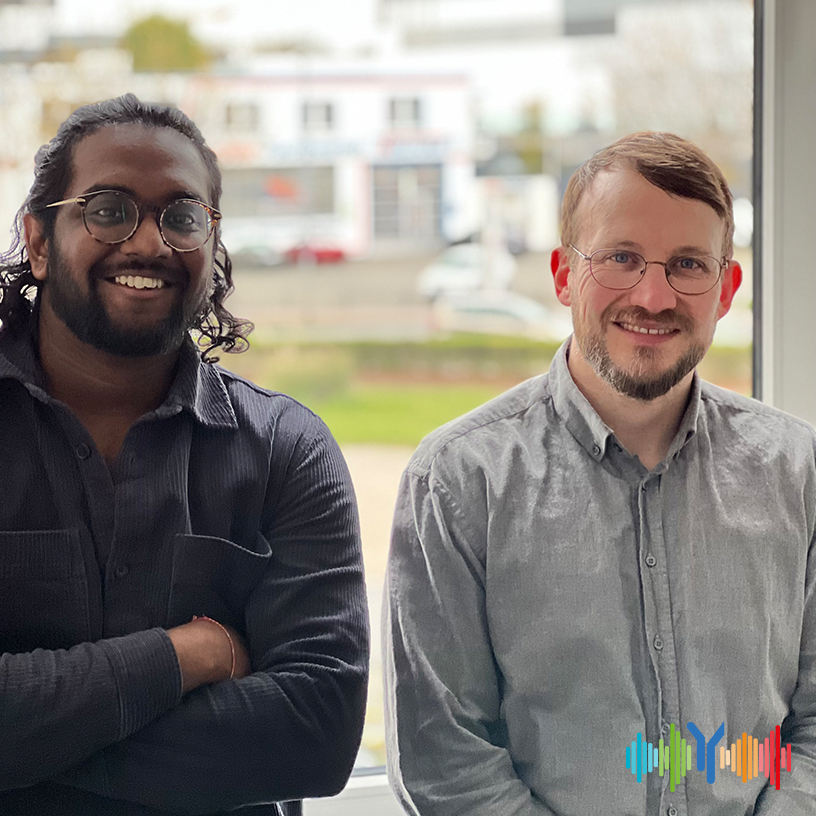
(86,317)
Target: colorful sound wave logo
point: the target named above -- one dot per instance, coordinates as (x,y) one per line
(748,757)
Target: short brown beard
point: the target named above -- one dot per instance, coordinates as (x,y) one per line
(596,353)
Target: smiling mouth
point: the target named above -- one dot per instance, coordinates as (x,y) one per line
(139,282)
(643,330)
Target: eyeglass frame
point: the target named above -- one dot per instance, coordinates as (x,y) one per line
(665,264)
(82,200)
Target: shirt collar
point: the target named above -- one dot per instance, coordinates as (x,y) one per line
(583,422)
(18,357)
(197,388)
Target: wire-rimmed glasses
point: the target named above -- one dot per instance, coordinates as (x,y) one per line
(111,216)
(623,269)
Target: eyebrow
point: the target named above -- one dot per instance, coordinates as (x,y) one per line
(687,249)
(119,188)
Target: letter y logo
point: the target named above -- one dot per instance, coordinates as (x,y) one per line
(705,753)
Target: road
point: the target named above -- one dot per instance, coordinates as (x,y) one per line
(366,299)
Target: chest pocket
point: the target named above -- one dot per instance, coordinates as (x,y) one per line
(43,590)
(214,576)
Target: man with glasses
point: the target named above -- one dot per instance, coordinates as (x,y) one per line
(615,549)
(182,609)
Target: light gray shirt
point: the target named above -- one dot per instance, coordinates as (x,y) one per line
(549,598)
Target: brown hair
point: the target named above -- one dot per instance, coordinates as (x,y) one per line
(670,162)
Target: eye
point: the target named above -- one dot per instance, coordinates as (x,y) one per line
(691,264)
(618,260)
(185,217)
(107,210)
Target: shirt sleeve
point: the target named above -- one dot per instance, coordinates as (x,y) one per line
(446,751)
(59,707)
(797,789)
(292,728)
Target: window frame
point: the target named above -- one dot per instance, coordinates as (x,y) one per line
(784,206)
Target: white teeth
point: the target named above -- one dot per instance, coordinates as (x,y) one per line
(642,330)
(139,282)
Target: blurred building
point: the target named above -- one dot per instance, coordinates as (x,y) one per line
(358,155)
(376,153)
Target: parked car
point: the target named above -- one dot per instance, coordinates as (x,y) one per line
(498,312)
(466,267)
(256,255)
(315,253)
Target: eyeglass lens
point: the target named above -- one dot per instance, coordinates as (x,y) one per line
(112,217)
(622,269)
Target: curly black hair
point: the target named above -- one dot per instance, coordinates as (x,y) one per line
(19,288)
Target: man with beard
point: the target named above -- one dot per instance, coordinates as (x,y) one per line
(183,624)
(613,550)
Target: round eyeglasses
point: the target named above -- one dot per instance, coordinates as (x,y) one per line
(111,216)
(623,269)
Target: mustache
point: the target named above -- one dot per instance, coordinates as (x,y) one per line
(634,314)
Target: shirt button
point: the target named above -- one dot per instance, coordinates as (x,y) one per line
(665,729)
(658,643)
(82,451)
(672,811)
(121,571)
(596,449)
(650,560)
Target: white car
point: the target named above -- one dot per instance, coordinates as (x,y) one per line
(497,312)
(465,268)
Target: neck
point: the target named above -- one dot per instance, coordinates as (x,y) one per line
(103,390)
(645,428)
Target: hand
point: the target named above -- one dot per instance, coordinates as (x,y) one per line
(204,654)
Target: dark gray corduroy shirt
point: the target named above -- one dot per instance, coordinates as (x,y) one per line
(228,501)
(550,598)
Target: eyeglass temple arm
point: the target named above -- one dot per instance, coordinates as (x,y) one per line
(77,200)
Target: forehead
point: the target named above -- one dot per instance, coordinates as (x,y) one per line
(622,206)
(154,163)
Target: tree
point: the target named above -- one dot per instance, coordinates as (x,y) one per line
(160,44)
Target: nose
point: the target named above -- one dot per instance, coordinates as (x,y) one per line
(147,241)
(653,292)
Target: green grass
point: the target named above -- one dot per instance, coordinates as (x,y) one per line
(397,414)
(396,393)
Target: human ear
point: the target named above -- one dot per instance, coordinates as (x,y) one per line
(731,280)
(560,268)
(36,246)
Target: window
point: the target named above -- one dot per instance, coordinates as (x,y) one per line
(318,117)
(405,112)
(242,116)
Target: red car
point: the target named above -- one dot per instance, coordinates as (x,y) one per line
(305,253)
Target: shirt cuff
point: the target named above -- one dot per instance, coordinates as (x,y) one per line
(148,677)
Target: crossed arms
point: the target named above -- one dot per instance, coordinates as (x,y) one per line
(111,718)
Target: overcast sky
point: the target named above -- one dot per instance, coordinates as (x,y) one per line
(345,23)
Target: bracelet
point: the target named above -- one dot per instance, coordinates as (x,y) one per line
(229,638)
